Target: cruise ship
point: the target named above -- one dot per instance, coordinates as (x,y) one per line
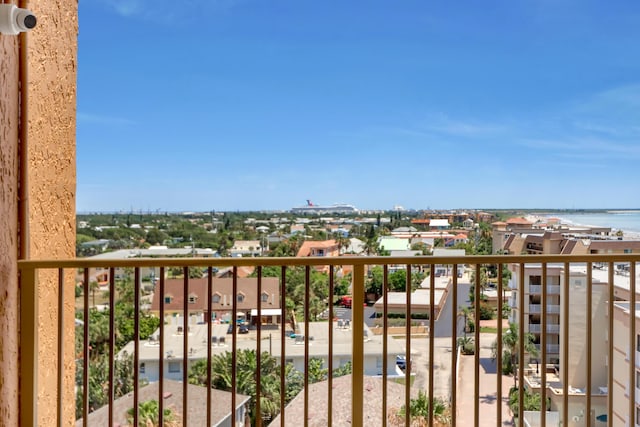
(311,208)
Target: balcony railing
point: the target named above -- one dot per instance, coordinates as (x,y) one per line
(551,289)
(376,354)
(536,328)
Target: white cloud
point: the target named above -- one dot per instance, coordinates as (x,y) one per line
(165,11)
(102,120)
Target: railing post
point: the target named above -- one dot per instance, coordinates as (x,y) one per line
(28,347)
(357,353)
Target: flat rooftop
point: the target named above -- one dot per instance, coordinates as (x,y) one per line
(198,341)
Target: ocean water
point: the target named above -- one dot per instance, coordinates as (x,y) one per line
(619,220)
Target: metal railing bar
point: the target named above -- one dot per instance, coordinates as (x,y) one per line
(85,349)
(234,345)
(499,347)
(112,340)
(520,371)
(258,350)
(565,341)
(476,355)
(161,353)
(432,315)
(357,347)
(61,334)
(454,346)
(283,305)
(543,347)
(307,274)
(610,354)
(407,356)
(314,261)
(185,345)
(330,350)
(589,338)
(209,340)
(29,300)
(632,345)
(136,345)
(385,341)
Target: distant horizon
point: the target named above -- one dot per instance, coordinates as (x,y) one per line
(205,211)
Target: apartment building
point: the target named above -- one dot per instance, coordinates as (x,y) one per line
(532,286)
(572,358)
(624,374)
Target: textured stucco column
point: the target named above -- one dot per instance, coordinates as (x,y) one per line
(52,59)
(9,117)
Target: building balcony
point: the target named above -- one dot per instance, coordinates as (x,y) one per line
(536,328)
(551,289)
(198,357)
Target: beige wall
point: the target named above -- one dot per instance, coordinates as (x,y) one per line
(52,59)
(8,229)
(624,353)
(52,178)
(577,321)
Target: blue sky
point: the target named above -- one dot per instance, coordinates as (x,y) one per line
(261,104)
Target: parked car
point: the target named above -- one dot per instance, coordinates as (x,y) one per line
(401,362)
(243,329)
(345,301)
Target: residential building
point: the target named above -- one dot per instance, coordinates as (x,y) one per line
(342,398)
(222,299)
(172,400)
(389,243)
(420,299)
(246,248)
(319,248)
(149,274)
(532,288)
(220,341)
(623,355)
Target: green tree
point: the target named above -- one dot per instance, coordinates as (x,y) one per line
(532,401)
(466,345)
(510,348)
(315,371)
(419,409)
(148,412)
(342,370)
(93,288)
(99,381)
(247,366)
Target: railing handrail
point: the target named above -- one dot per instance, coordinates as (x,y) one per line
(303,261)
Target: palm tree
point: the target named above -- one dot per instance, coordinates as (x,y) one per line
(93,287)
(419,409)
(510,348)
(148,415)
(246,369)
(341,240)
(371,246)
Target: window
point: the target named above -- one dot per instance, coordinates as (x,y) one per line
(628,251)
(215,298)
(193,299)
(265,297)
(168,299)
(174,367)
(142,368)
(240,298)
(637,342)
(637,379)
